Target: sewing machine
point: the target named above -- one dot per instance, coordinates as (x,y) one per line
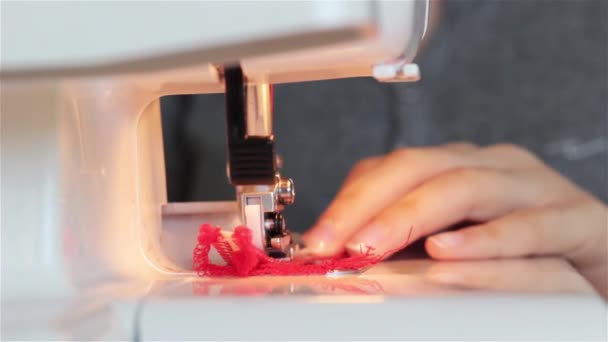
(90,247)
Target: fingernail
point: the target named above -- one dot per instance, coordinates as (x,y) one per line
(321,237)
(373,235)
(447,240)
(305,253)
(358,248)
(318,249)
(324,231)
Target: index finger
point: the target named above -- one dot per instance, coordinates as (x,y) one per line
(365,197)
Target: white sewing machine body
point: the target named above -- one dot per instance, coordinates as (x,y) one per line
(86,225)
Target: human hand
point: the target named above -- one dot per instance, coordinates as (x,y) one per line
(521,208)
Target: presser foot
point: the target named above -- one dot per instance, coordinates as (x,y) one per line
(285,247)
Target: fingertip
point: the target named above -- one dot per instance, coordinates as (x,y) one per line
(433,250)
(321,240)
(354,249)
(445,245)
(448,240)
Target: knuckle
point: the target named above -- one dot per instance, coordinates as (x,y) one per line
(538,238)
(509,147)
(449,154)
(347,193)
(357,168)
(513,151)
(420,155)
(462,146)
(404,153)
(361,167)
(468,183)
(466,144)
(467,175)
(366,163)
(529,231)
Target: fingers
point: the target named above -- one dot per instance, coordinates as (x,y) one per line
(461,147)
(365,166)
(364,197)
(577,232)
(458,195)
(545,231)
(508,156)
(377,183)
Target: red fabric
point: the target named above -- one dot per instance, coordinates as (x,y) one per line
(247,260)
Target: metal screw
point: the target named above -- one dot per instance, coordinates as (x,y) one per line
(285,191)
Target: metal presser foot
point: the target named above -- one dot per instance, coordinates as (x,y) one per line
(253,167)
(261,209)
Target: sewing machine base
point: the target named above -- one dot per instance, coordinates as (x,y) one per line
(399,299)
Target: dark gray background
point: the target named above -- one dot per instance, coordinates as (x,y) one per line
(529,72)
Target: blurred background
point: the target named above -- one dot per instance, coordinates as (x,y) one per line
(532,73)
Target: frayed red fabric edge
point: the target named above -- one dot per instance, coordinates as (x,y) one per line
(245,260)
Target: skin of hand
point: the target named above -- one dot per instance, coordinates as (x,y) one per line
(520,206)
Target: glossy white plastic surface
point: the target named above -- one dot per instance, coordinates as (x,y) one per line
(275,41)
(529,299)
(536,299)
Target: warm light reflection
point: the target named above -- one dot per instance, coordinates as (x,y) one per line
(287,286)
